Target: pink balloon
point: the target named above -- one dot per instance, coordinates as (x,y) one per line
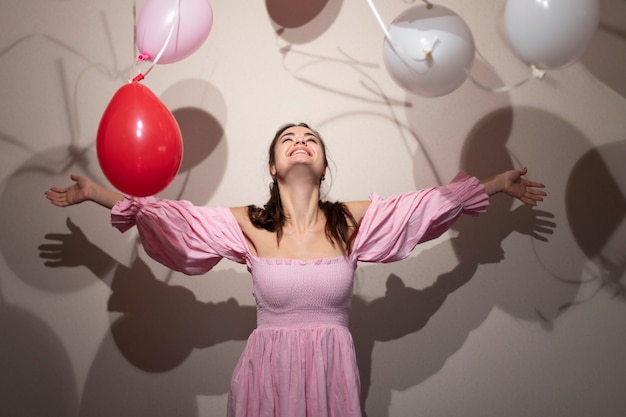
(188,21)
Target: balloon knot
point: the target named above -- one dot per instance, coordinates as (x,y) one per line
(143,57)
(137,78)
(537,73)
(428,52)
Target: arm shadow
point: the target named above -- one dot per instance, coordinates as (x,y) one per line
(404,311)
(160,324)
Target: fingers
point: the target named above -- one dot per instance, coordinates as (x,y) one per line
(533,192)
(532,197)
(60,237)
(535,184)
(50,252)
(72,226)
(538,236)
(56,198)
(528,201)
(535,195)
(58,195)
(529,183)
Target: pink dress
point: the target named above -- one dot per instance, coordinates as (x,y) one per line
(300,360)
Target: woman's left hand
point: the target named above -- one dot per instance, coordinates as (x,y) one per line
(529,192)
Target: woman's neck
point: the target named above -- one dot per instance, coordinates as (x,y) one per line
(301,205)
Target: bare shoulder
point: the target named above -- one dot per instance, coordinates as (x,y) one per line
(241,215)
(245,224)
(357,208)
(252,234)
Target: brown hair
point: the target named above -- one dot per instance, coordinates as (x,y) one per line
(272,216)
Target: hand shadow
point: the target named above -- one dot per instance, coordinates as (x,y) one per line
(161,324)
(404,310)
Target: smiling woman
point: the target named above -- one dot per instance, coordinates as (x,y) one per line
(302,253)
(292,141)
(299,148)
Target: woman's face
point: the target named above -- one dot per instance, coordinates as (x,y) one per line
(298,147)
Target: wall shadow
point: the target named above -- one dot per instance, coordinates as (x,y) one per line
(596,212)
(605,56)
(406,311)
(512,138)
(161,326)
(157,331)
(398,323)
(302,22)
(200,111)
(37,377)
(26,216)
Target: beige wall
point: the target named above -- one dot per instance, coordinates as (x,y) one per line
(510,314)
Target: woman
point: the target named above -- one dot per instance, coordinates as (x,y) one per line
(302,254)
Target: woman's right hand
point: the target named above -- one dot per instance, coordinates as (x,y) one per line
(83,189)
(74,194)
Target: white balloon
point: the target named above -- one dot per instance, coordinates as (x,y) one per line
(550,33)
(429,51)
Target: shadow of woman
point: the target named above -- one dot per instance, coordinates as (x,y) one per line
(404,310)
(158,330)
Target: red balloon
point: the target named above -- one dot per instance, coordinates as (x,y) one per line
(139,143)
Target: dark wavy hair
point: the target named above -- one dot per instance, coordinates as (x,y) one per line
(272,216)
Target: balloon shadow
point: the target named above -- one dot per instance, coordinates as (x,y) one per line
(198,107)
(204,156)
(492,147)
(302,22)
(596,212)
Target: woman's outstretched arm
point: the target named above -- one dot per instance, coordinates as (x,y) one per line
(82,190)
(512,183)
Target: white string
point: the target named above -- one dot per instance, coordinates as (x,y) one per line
(426,51)
(134,36)
(535,73)
(167,41)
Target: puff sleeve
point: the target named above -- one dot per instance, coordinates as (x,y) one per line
(181,236)
(392,228)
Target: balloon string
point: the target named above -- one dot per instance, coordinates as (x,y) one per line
(426,51)
(535,73)
(134,35)
(167,41)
